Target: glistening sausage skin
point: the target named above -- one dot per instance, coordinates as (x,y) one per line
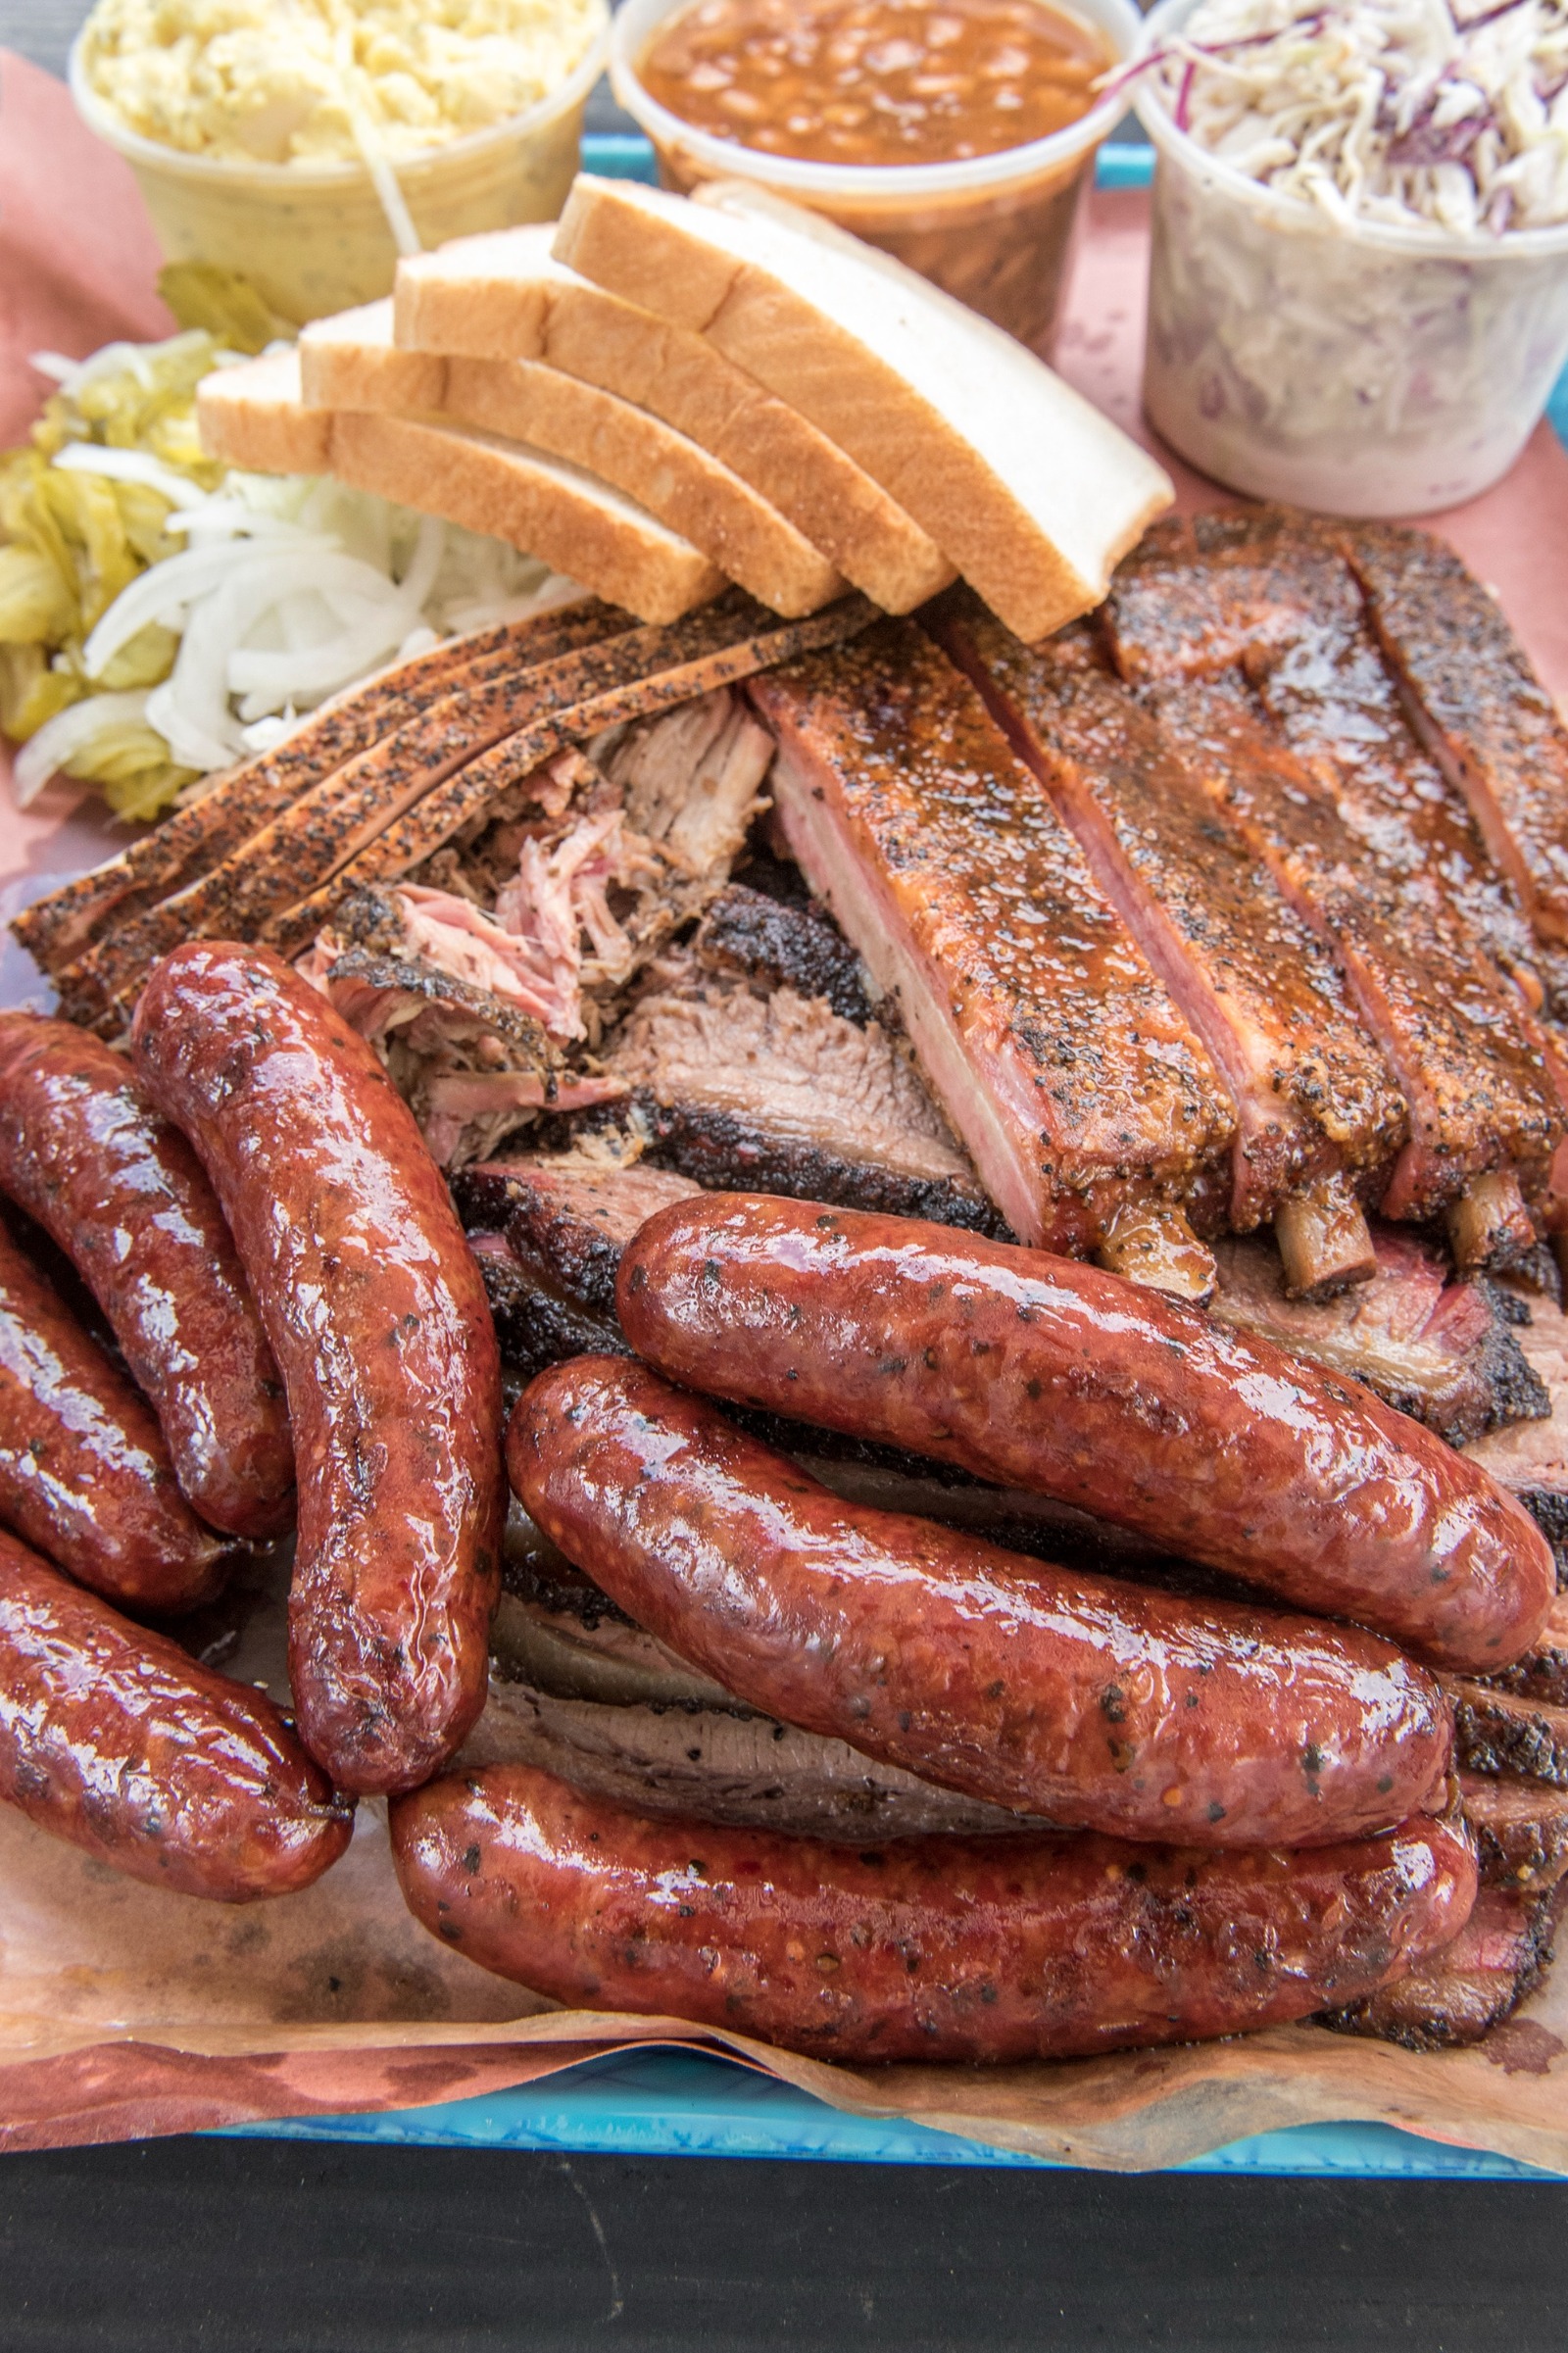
(83,1151)
(1098,1704)
(112,1737)
(84,1473)
(1039,1373)
(377,1315)
(925,1948)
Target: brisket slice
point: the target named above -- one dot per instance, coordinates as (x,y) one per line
(1053,1046)
(1477,705)
(720,1765)
(1305,742)
(719,646)
(784,946)
(770,1092)
(1471,1985)
(1441,1350)
(1520,1830)
(1313,1097)
(330,825)
(190,842)
(1530,1459)
(1543,1673)
(1499,1731)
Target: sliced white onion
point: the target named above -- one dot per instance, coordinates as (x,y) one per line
(343,656)
(68,732)
(162,593)
(130,466)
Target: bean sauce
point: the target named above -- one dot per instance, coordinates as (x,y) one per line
(876,81)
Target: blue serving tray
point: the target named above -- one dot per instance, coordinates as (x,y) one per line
(682,2104)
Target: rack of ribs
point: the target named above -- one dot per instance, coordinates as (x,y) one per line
(1318,1118)
(1246,637)
(1095,1118)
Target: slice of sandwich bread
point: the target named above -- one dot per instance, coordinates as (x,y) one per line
(351,362)
(251,415)
(574,522)
(502,296)
(1023,484)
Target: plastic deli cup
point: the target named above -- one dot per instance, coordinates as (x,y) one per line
(1367,371)
(996,230)
(314,238)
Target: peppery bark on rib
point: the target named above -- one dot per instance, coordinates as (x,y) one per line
(1250,687)
(1313,1094)
(1070,1047)
(1477,705)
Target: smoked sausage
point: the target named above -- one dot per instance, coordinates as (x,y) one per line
(1038,1372)
(376,1316)
(925,1948)
(113,1739)
(1098,1704)
(114,1187)
(84,1473)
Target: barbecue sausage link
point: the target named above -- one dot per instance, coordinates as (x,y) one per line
(924,1948)
(376,1316)
(113,1739)
(1039,1373)
(115,1188)
(84,1473)
(1098,1704)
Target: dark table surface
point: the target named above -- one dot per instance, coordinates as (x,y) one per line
(250,2246)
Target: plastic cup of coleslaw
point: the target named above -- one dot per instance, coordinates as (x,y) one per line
(1368,370)
(314,237)
(995,230)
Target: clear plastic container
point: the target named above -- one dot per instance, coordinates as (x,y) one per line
(314,238)
(1374,371)
(995,230)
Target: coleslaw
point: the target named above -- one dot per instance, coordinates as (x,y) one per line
(1402,112)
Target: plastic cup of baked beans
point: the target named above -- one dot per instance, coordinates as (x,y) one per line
(996,230)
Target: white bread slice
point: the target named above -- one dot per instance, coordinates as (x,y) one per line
(502,296)
(351,362)
(577,525)
(686,488)
(1020,481)
(251,415)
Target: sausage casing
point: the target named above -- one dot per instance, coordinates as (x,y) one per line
(1098,1704)
(114,1187)
(1039,1373)
(84,1473)
(924,1948)
(113,1739)
(376,1316)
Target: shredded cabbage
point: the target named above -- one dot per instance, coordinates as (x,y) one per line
(1399,112)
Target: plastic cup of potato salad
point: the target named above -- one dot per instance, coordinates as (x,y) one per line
(1366,370)
(316,237)
(996,230)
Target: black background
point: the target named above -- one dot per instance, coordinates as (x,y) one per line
(290,2247)
(306,2247)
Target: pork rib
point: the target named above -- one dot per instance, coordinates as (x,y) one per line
(1478,705)
(1052,1044)
(1250,636)
(1317,1114)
